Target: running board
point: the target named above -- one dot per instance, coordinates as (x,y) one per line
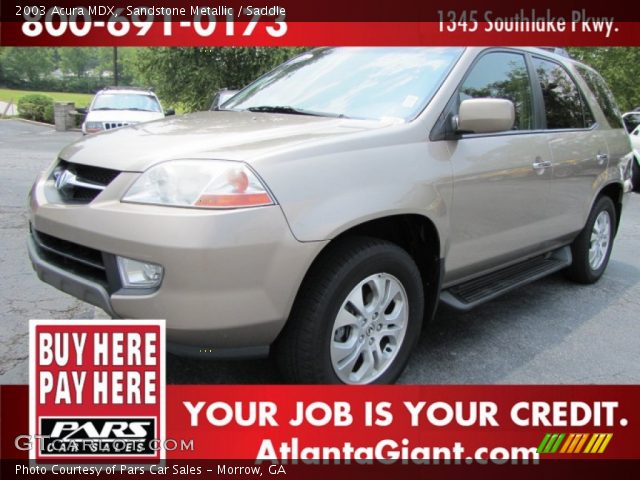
(470,294)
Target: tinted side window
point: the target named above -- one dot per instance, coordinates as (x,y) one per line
(502,75)
(604,96)
(563,102)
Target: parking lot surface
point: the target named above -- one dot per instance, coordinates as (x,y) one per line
(552,331)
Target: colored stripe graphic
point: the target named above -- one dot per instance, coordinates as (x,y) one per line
(556,445)
(573,443)
(603,447)
(543,443)
(569,441)
(579,440)
(583,439)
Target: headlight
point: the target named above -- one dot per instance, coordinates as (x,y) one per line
(93,126)
(199,183)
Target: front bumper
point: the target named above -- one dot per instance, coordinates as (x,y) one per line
(230,275)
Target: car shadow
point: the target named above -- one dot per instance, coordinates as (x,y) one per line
(483,346)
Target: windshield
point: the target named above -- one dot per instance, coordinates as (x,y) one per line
(364,82)
(126,101)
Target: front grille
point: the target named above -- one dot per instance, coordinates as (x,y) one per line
(78,259)
(112,125)
(97,177)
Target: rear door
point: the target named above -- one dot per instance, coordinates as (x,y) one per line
(579,151)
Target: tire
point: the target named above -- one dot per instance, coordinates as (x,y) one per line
(585,269)
(311,347)
(635,175)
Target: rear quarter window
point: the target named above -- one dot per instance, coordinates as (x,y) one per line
(603,95)
(565,107)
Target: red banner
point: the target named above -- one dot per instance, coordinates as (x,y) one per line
(323,33)
(397,424)
(287,23)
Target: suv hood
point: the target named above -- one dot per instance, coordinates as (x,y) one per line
(242,136)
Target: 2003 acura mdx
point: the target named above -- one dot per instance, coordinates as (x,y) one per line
(324,211)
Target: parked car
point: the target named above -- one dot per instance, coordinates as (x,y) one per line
(632,124)
(116,107)
(221,97)
(631,120)
(324,213)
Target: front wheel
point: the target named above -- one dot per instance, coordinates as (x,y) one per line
(592,248)
(357,317)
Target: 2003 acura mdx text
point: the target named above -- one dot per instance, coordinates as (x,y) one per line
(325,209)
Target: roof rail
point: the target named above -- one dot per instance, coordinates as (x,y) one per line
(119,87)
(558,51)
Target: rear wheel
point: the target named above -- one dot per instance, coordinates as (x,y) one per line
(635,175)
(357,316)
(592,248)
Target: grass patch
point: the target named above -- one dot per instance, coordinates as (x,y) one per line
(80,99)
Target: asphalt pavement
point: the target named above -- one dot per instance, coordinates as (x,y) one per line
(552,331)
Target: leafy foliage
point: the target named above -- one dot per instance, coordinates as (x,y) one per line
(620,67)
(191,76)
(26,65)
(36,107)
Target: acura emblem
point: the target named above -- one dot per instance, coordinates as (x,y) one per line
(64,178)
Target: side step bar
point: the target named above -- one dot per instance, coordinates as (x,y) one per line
(470,294)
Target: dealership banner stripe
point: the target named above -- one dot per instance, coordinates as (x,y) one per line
(412,423)
(333,10)
(271,32)
(556,443)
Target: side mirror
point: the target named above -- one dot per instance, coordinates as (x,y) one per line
(82,111)
(221,97)
(169,111)
(485,115)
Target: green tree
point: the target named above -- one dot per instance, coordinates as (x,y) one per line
(78,61)
(191,76)
(620,67)
(24,67)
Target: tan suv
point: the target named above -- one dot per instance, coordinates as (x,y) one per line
(324,211)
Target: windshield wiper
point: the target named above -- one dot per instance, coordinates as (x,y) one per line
(105,108)
(292,110)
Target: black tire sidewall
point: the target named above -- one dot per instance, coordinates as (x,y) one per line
(385,259)
(582,244)
(635,174)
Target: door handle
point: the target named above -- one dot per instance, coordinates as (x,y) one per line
(541,164)
(601,158)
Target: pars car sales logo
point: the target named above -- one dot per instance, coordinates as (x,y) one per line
(97,389)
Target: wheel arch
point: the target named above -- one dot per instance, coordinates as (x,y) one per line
(614,191)
(415,233)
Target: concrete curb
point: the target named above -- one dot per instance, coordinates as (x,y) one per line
(42,124)
(33,122)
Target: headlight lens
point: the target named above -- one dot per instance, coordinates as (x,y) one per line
(201,184)
(93,126)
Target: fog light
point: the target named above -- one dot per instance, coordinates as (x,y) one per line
(135,274)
